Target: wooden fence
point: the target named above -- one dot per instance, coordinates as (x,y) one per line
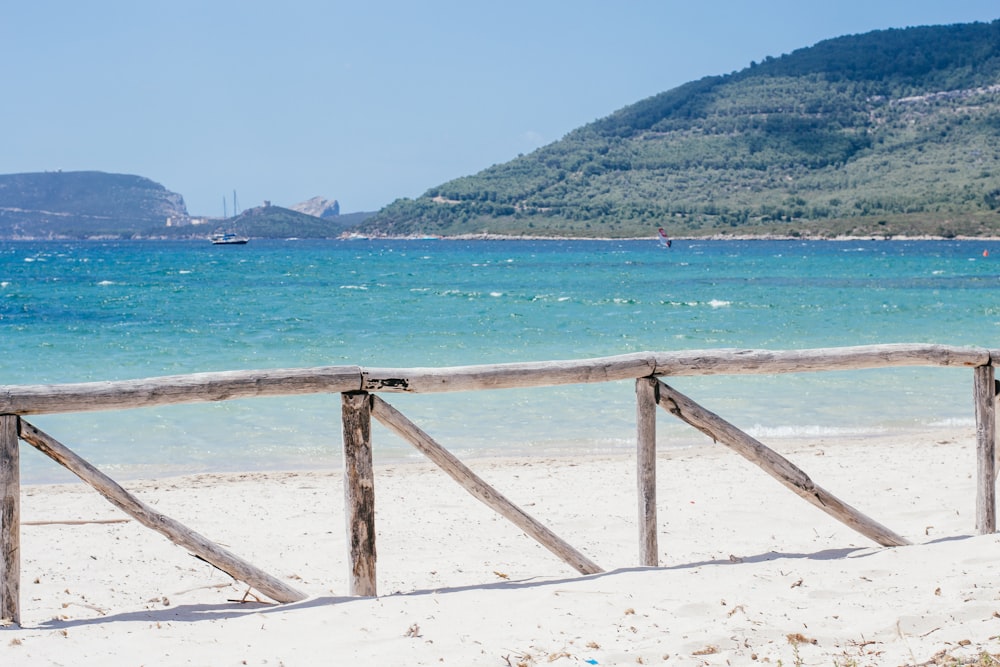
(360,403)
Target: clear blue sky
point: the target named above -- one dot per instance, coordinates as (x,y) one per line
(366,101)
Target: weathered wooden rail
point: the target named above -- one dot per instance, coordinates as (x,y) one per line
(358,387)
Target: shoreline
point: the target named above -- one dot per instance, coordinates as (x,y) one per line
(748,572)
(713,237)
(517,237)
(44,472)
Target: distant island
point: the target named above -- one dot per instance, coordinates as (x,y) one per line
(98,205)
(85,204)
(886,134)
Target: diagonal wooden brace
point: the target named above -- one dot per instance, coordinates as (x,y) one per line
(774,464)
(173,530)
(471,482)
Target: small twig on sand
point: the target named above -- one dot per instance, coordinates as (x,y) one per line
(249,594)
(73,522)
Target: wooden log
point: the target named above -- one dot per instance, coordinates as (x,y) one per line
(749,362)
(173,389)
(10,521)
(984,390)
(206,387)
(774,464)
(359,492)
(507,376)
(475,485)
(147,516)
(645,407)
(684,362)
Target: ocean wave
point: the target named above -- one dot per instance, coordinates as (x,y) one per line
(812,431)
(712,303)
(962,422)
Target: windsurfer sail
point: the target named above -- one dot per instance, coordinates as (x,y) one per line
(664,239)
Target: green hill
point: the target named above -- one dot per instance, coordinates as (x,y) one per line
(889,132)
(271,222)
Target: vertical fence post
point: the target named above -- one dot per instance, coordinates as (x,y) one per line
(985,395)
(645,410)
(10,521)
(359,491)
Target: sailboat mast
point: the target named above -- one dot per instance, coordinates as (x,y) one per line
(236,208)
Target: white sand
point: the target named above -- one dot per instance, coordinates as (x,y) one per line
(745,565)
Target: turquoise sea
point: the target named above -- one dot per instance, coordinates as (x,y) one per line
(82,311)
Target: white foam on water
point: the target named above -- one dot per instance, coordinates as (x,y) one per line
(811,431)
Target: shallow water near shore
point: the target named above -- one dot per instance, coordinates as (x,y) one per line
(85,311)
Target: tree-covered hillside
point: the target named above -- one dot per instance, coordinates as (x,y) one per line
(894,131)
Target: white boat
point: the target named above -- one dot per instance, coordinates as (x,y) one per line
(228,238)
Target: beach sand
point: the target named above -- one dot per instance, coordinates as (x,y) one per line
(749,573)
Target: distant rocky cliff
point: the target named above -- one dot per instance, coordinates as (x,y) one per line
(81,204)
(318,207)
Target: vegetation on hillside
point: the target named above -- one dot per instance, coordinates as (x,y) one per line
(889,132)
(268,222)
